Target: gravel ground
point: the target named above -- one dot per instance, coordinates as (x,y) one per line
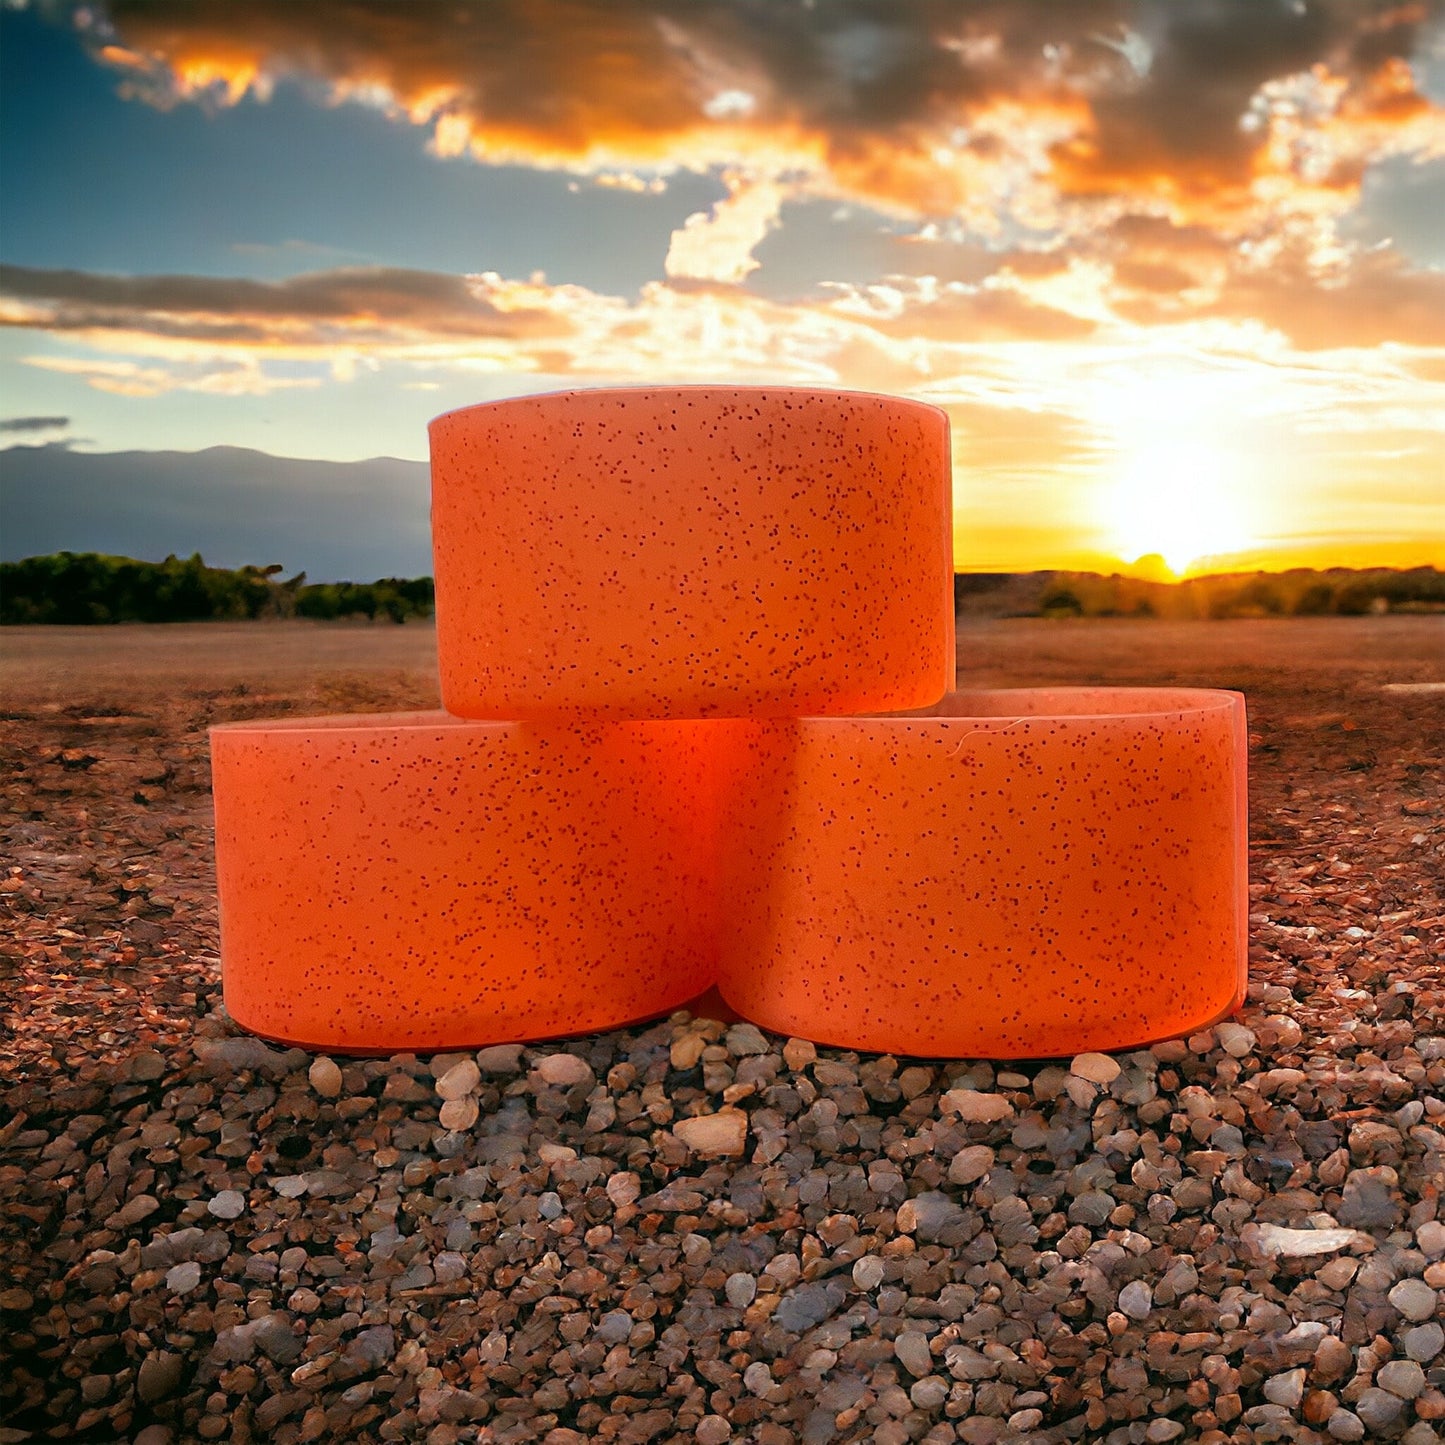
(692,1231)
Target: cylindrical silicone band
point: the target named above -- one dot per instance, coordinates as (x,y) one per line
(413,881)
(1014,874)
(692,551)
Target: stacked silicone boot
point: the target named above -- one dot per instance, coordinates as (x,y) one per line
(695,645)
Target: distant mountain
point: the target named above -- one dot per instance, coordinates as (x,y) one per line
(337,521)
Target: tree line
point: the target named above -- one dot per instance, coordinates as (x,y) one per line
(1300,592)
(88,587)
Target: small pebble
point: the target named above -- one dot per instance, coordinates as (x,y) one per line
(449,1266)
(974,1106)
(913,1353)
(140,1207)
(758,1378)
(1422,1432)
(1404,1378)
(685,1053)
(745,1040)
(1333,1358)
(970,1164)
(799,1053)
(228,1204)
(500,1059)
(1287,1389)
(325,1077)
(1235,1039)
(1096,1068)
(1136,1299)
(868,1272)
(713,1136)
(1378,1408)
(159,1376)
(623,1188)
(1414,1299)
(929,1393)
(1424,1342)
(183,1278)
(459,1080)
(1337,1273)
(564,1070)
(741,1290)
(460,1113)
(1430,1236)
(712,1430)
(1345,1425)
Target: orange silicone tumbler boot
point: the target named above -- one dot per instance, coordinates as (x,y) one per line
(695,551)
(413,881)
(1015,874)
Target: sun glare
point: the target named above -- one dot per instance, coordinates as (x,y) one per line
(1176,489)
(1177,503)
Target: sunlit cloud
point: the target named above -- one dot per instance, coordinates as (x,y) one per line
(1205,435)
(1060,116)
(718,245)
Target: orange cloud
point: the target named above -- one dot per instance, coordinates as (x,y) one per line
(1048,113)
(1377,301)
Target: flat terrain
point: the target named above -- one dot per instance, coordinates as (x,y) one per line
(96,666)
(202,1237)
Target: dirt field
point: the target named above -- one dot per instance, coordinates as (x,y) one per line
(107,826)
(110,1012)
(296,662)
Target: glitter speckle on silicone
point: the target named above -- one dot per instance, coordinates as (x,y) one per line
(692,551)
(412,881)
(1015,874)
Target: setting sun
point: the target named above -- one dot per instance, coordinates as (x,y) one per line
(1177,502)
(1177,483)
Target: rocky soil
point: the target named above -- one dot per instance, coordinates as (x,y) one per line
(692,1231)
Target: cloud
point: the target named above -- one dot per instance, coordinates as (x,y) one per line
(33,423)
(130,378)
(347,304)
(1226,112)
(1134,285)
(955,312)
(1376,301)
(144,336)
(718,245)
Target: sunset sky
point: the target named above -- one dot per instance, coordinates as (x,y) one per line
(1176,270)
